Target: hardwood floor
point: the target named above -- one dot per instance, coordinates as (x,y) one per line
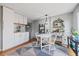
(3,53)
(70,52)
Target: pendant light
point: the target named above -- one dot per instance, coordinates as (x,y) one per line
(46,17)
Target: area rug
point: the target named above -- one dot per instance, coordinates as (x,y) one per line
(36,51)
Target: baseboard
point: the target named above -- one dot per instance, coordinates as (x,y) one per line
(2,53)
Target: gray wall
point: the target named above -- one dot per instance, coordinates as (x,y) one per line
(75,20)
(35,27)
(67,18)
(29,30)
(0,28)
(67,23)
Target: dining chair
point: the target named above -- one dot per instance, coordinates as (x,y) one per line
(36,42)
(52,42)
(44,42)
(48,41)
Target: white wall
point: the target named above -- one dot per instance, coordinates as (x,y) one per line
(67,21)
(0,28)
(75,18)
(11,39)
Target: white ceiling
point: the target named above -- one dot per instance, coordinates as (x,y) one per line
(35,11)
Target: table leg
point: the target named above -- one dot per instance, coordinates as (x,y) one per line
(41,43)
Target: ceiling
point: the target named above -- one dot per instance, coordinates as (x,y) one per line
(34,11)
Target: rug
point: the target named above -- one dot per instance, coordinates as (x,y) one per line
(36,51)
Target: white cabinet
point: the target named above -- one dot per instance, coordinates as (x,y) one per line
(25,36)
(11,39)
(17,38)
(21,37)
(16,20)
(8,28)
(25,20)
(20,19)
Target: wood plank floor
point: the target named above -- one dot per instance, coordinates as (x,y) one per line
(70,52)
(3,53)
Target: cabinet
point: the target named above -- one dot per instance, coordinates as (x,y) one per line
(11,39)
(25,20)
(16,18)
(21,37)
(8,28)
(20,19)
(17,37)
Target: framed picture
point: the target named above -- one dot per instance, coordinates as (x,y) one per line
(41,28)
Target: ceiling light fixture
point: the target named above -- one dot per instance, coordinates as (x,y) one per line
(46,17)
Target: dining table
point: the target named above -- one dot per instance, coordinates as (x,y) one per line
(45,36)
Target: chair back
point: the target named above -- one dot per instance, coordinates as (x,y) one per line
(53,38)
